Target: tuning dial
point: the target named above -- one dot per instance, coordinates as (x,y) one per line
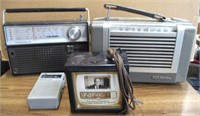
(74,33)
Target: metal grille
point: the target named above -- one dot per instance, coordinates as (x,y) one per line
(36,59)
(143,51)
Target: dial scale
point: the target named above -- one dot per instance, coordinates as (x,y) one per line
(54,33)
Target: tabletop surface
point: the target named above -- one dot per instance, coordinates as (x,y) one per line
(178,99)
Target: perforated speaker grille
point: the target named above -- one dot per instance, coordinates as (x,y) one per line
(35,59)
(153,52)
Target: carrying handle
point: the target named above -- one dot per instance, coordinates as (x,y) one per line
(133,10)
(29,10)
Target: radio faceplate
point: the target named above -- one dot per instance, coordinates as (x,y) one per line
(45,33)
(147,46)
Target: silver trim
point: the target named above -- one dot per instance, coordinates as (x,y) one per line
(88,14)
(4,18)
(106,34)
(177,49)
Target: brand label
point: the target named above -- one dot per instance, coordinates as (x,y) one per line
(161,77)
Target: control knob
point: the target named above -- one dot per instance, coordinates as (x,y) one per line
(74,33)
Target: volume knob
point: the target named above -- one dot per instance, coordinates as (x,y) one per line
(74,33)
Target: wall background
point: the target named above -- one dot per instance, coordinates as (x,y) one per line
(186,9)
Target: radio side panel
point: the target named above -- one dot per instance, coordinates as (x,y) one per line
(186,50)
(100,36)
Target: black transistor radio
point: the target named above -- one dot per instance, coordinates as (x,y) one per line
(35,47)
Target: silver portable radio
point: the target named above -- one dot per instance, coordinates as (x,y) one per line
(35,47)
(158,48)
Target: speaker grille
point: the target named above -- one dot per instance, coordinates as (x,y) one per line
(35,59)
(142,51)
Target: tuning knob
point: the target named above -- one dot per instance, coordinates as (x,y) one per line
(74,33)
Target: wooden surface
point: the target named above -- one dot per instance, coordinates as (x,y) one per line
(159,99)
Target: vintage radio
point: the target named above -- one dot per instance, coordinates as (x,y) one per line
(35,47)
(158,48)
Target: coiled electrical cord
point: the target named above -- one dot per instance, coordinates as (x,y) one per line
(125,83)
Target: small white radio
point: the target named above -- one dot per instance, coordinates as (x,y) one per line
(47,91)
